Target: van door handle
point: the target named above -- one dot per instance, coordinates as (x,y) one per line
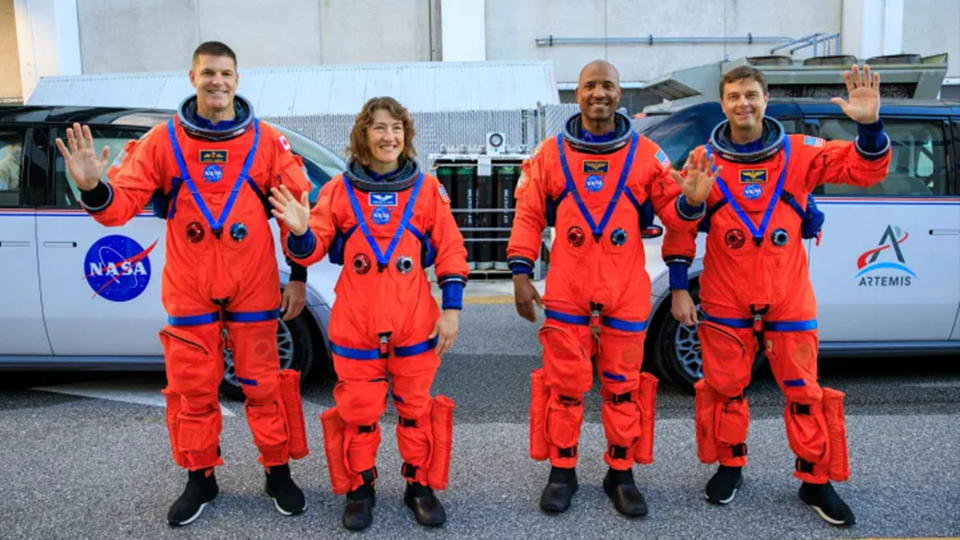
(944,232)
(60,244)
(14,243)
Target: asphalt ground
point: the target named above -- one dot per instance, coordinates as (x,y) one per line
(87,467)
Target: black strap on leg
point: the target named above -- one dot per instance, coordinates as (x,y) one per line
(621,398)
(407,422)
(617,452)
(409,471)
(370,428)
(738,450)
(800,408)
(369,475)
(570,451)
(568,400)
(804,466)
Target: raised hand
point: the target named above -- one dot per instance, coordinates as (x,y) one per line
(82,162)
(863,95)
(525,295)
(701,173)
(295,215)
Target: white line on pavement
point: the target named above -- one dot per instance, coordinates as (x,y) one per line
(127,391)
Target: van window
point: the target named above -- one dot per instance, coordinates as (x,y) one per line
(918,165)
(11,167)
(65,191)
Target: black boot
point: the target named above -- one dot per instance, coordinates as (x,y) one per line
(358,514)
(827,503)
(627,499)
(723,486)
(425,505)
(560,488)
(201,489)
(287,497)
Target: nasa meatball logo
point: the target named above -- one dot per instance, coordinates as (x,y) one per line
(752,191)
(117,268)
(212,173)
(594,183)
(380,215)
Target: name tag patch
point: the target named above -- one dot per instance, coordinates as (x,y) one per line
(213,156)
(382,199)
(753,176)
(595,166)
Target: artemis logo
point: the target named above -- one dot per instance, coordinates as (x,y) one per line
(888,248)
(117,268)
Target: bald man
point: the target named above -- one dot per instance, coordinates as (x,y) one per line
(598,183)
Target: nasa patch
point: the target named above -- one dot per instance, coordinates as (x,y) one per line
(594,183)
(212,173)
(117,268)
(752,191)
(382,199)
(380,215)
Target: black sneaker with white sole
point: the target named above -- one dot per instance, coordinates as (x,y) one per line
(201,489)
(723,486)
(828,505)
(287,497)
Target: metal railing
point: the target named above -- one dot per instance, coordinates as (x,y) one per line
(830,44)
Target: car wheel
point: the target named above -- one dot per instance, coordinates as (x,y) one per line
(295,347)
(676,349)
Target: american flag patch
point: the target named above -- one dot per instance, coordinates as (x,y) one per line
(443,194)
(810,140)
(662,158)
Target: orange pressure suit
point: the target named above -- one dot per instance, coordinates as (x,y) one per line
(386,234)
(597,292)
(755,282)
(220,270)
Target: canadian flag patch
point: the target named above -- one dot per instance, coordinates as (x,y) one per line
(284,143)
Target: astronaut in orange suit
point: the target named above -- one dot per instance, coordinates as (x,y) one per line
(385,221)
(209,169)
(755,285)
(597,182)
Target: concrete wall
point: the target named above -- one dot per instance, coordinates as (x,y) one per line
(931,27)
(155,35)
(152,35)
(513,26)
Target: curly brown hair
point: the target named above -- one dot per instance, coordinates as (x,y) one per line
(358,148)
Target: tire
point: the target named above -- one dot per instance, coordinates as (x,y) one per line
(675,348)
(297,342)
